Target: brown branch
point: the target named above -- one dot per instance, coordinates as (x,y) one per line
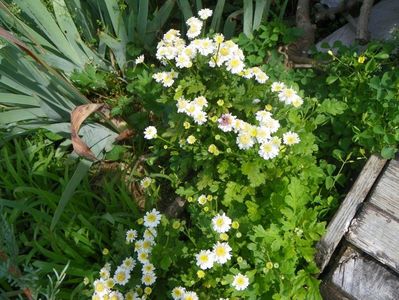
(362,33)
(298,51)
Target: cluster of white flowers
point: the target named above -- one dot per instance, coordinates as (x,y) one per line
(286,95)
(143,247)
(180,293)
(248,135)
(173,49)
(194,109)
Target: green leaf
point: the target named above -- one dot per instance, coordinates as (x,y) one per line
(80,172)
(253,171)
(248,17)
(217,15)
(388,152)
(331,79)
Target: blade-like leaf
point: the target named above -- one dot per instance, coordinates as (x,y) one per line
(142,18)
(80,172)
(259,14)
(19,115)
(217,15)
(118,48)
(18,100)
(248,17)
(185,8)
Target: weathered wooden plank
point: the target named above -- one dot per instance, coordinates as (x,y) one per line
(331,292)
(386,193)
(359,276)
(376,233)
(342,219)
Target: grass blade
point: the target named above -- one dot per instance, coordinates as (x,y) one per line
(80,172)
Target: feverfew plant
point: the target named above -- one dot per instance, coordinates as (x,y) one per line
(235,147)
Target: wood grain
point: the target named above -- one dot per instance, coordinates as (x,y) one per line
(375,232)
(362,278)
(386,193)
(342,219)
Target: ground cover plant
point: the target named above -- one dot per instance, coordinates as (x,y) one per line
(221,178)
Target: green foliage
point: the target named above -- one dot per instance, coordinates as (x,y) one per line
(366,87)
(33,176)
(266,39)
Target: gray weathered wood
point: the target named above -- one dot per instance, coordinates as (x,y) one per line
(362,278)
(377,233)
(342,219)
(386,193)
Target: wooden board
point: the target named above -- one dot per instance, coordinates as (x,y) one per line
(342,219)
(386,193)
(376,233)
(358,276)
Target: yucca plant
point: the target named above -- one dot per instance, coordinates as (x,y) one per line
(42,47)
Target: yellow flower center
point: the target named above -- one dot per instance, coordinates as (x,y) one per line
(121,276)
(100,287)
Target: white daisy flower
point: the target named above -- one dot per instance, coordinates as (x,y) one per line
(138,245)
(178,292)
(297,101)
(205,259)
(221,252)
(148,278)
(247,73)
(182,105)
(263,134)
(147,245)
(131,235)
(121,276)
(148,268)
(110,283)
(115,296)
(240,282)
(152,218)
(244,141)
(221,223)
(206,46)
(139,60)
(277,86)
(202,199)
(150,132)
(235,65)
(226,122)
(128,263)
(260,76)
(190,296)
(200,117)
(205,13)
(291,138)
(287,95)
(150,234)
(194,30)
(142,256)
(100,287)
(183,61)
(263,115)
(145,182)
(271,123)
(268,150)
(201,101)
(104,273)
